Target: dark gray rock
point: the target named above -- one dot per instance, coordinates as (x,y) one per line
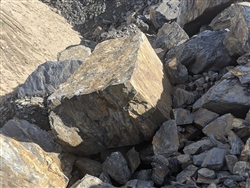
(219,144)
(186,174)
(185,160)
(182,97)
(47,78)
(176,71)
(169,35)
(143,175)
(198,53)
(245,154)
(203,117)
(89,166)
(138,184)
(182,116)
(105,178)
(241,128)
(230,162)
(198,159)
(198,147)
(215,159)
(230,183)
(160,169)
(242,72)
(235,143)
(244,59)
(166,142)
(220,127)
(193,14)
(248,183)
(174,165)
(205,172)
(133,159)
(116,167)
(242,168)
(78,52)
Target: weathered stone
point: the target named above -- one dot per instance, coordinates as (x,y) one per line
(182,116)
(116,167)
(169,34)
(242,168)
(241,128)
(212,185)
(47,78)
(143,175)
(107,152)
(185,160)
(230,183)
(176,71)
(198,147)
(236,178)
(182,97)
(89,166)
(248,116)
(138,184)
(109,100)
(133,159)
(78,52)
(198,53)
(215,159)
(174,165)
(89,181)
(237,39)
(235,143)
(204,180)
(165,142)
(242,72)
(24,163)
(105,178)
(147,153)
(187,173)
(244,59)
(230,161)
(194,13)
(220,127)
(160,169)
(205,172)
(182,185)
(203,117)
(245,154)
(198,159)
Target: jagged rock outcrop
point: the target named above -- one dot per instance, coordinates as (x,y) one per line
(203,52)
(119,96)
(47,78)
(195,13)
(30,157)
(78,52)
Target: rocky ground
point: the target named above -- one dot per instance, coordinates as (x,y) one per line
(156,95)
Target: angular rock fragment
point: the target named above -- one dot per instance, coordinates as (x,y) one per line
(215,159)
(143,175)
(176,71)
(182,116)
(88,166)
(198,159)
(205,172)
(169,34)
(185,160)
(203,117)
(245,154)
(241,168)
(220,127)
(138,184)
(244,59)
(237,39)
(89,181)
(78,52)
(241,128)
(187,173)
(182,97)
(198,53)
(235,143)
(160,169)
(47,78)
(166,142)
(133,159)
(24,163)
(230,161)
(119,96)
(198,147)
(248,116)
(116,167)
(194,13)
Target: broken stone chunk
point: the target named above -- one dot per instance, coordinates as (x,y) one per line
(182,97)
(198,147)
(133,159)
(182,116)
(215,159)
(230,161)
(143,175)
(119,96)
(235,143)
(89,166)
(203,117)
(160,169)
(198,159)
(205,172)
(185,160)
(241,128)
(78,52)
(187,173)
(245,154)
(138,184)
(241,168)
(116,167)
(165,141)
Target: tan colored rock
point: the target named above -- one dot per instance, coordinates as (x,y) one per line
(195,13)
(79,52)
(237,40)
(119,96)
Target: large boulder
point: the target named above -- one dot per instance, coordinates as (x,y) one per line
(30,157)
(47,78)
(119,96)
(202,52)
(195,13)
(230,95)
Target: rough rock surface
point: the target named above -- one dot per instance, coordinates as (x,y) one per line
(30,157)
(47,78)
(78,52)
(202,52)
(195,13)
(112,90)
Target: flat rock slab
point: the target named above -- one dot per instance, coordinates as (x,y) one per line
(119,96)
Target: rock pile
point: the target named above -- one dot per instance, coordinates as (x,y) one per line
(125,118)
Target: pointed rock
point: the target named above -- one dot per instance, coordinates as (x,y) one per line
(235,143)
(186,174)
(198,147)
(160,169)
(182,116)
(133,159)
(230,161)
(111,100)
(203,117)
